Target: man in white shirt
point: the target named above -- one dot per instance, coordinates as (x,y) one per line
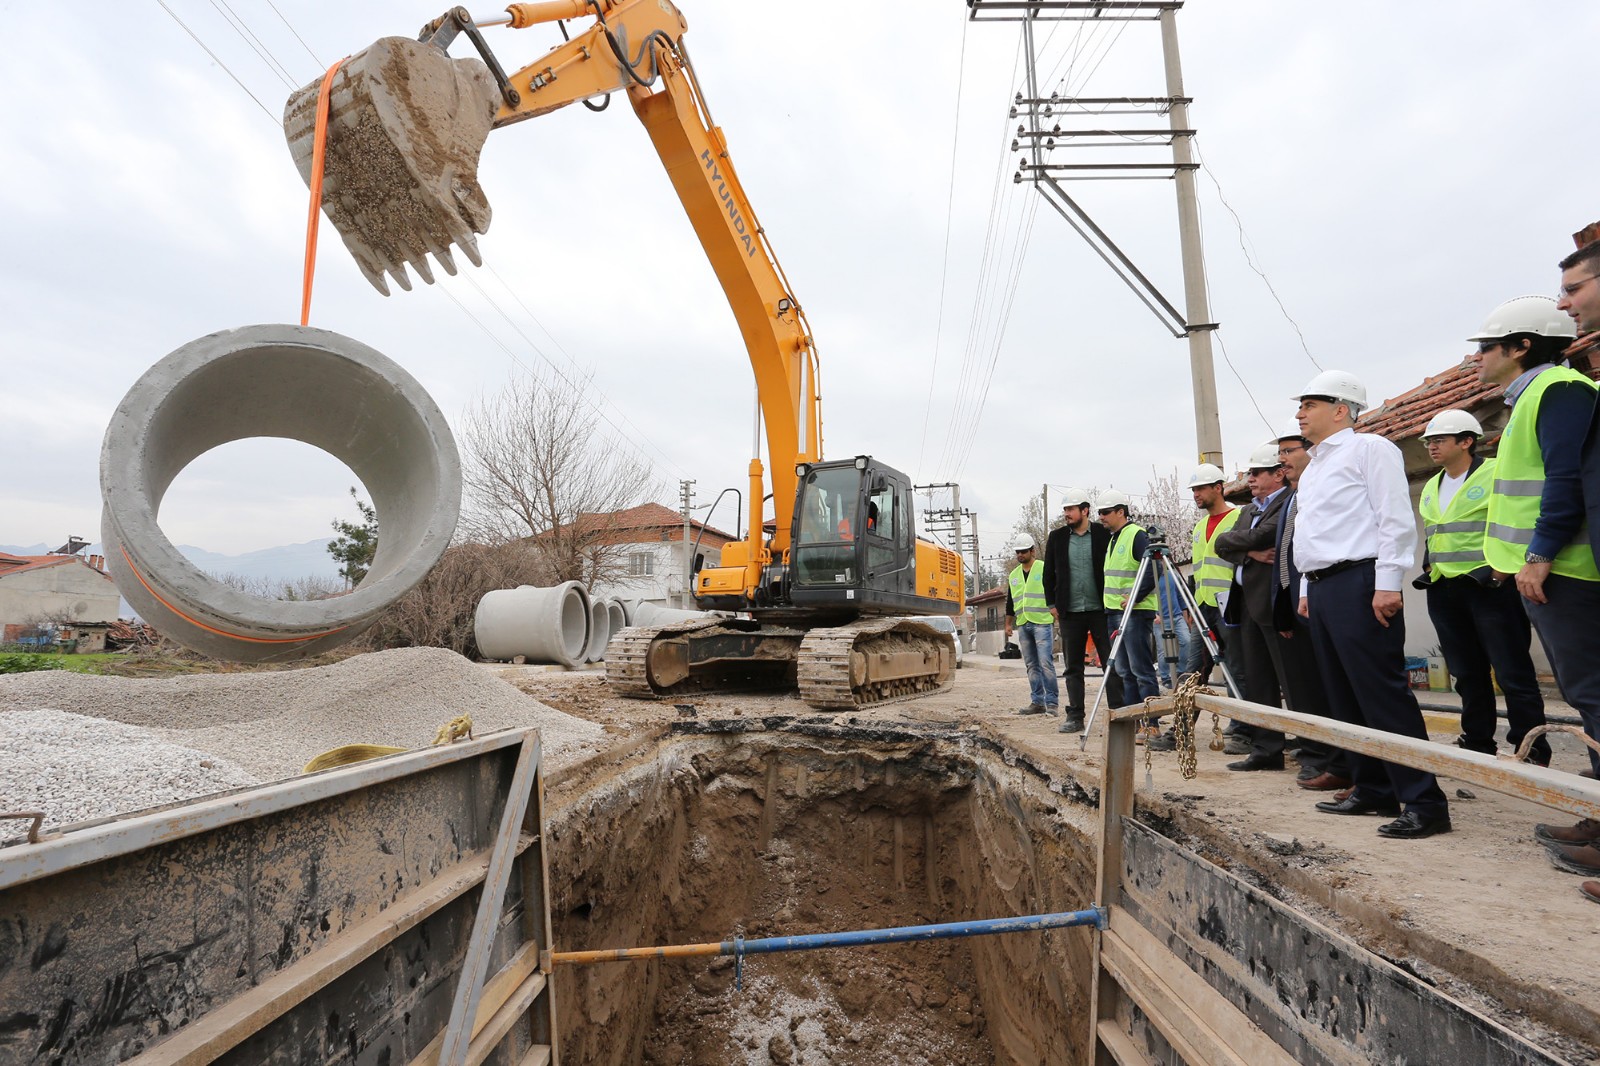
(1354,540)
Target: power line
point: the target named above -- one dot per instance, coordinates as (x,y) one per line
(1249,260)
(944,269)
(320,64)
(214,58)
(248,36)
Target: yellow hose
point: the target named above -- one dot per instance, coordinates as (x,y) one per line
(346,754)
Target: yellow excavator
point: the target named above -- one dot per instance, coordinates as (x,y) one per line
(825,585)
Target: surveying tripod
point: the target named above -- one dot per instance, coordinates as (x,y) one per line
(1159,557)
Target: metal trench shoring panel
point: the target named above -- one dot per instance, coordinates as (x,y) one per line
(1198,966)
(386,912)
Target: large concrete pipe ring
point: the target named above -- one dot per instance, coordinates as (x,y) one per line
(599,632)
(616,618)
(543,625)
(303,384)
(649,614)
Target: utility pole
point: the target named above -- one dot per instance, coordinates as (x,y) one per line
(977,560)
(686,500)
(1197,304)
(955,522)
(1070,120)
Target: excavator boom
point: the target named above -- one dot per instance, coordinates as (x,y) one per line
(406,125)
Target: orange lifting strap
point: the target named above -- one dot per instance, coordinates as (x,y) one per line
(318,145)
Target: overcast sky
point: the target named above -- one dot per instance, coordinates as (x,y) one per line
(1399,169)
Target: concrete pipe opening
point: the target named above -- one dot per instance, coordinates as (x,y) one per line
(616,618)
(294,382)
(599,632)
(543,625)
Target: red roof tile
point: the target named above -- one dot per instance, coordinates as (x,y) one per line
(16,564)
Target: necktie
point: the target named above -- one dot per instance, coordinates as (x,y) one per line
(1288,541)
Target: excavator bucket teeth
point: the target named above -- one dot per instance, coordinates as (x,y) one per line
(400,168)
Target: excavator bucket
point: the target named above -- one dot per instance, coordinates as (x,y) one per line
(406,123)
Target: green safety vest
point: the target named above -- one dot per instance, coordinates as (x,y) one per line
(1212,574)
(1121,568)
(1518,485)
(1027,595)
(1455,534)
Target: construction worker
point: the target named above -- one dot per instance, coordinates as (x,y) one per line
(1028,614)
(1478,616)
(1537,533)
(1354,539)
(1250,548)
(1127,547)
(1212,575)
(1074,580)
(1323,768)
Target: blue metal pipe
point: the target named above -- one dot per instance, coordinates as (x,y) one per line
(1095,916)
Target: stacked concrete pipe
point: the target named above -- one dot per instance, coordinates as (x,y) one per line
(599,631)
(303,384)
(542,625)
(617,618)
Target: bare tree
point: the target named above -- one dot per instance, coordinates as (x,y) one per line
(1033,521)
(439,612)
(267,588)
(1170,506)
(537,469)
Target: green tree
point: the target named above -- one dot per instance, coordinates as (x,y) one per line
(356,543)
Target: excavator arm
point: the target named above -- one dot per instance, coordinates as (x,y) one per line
(400,184)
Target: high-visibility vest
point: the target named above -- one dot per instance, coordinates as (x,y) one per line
(1121,568)
(1455,533)
(1212,574)
(1027,595)
(1519,484)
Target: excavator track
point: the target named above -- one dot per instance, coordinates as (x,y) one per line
(699,656)
(875,662)
(839,668)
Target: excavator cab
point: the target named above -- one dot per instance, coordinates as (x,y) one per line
(854,543)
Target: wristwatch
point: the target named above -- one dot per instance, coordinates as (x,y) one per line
(1534,557)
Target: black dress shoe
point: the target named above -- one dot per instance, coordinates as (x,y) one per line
(1352,804)
(1258,762)
(1413,826)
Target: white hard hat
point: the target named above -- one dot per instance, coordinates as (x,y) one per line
(1450,423)
(1111,498)
(1265,457)
(1338,385)
(1206,474)
(1022,543)
(1526,314)
(1293,432)
(1072,496)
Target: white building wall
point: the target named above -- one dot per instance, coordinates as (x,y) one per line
(72,591)
(665,585)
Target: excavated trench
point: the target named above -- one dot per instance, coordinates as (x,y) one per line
(713,834)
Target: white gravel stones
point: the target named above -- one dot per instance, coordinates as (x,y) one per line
(267,724)
(76,768)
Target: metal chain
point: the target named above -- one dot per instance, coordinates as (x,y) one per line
(1184,721)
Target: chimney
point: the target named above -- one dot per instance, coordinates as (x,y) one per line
(98,562)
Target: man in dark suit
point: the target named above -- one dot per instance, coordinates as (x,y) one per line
(1250,546)
(1074,575)
(1322,768)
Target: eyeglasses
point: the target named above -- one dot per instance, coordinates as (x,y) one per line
(1290,449)
(1571,290)
(1485,347)
(1105,512)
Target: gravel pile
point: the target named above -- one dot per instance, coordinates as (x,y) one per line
(57,762)
(265,724)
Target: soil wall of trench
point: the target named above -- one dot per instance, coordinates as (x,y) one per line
(704,837)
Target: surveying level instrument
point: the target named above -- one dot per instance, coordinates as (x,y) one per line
(1159,556)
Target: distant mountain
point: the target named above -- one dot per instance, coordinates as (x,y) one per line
(286,563)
